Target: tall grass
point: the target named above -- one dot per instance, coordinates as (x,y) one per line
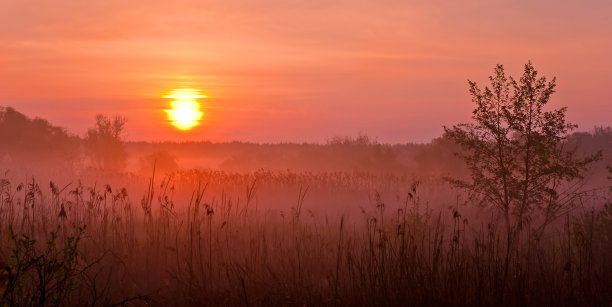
(92,245)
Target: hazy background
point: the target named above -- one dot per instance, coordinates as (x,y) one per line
(396,70)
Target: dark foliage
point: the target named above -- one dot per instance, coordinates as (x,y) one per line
(35,141)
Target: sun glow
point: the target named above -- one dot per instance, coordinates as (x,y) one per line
(184,113)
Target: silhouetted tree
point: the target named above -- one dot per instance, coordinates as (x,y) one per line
(35,142)
(104,143)
(516,153)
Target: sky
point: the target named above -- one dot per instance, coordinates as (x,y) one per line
(295,71)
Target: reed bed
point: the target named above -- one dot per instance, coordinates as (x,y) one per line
(102,246)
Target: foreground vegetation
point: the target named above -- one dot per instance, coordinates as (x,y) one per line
(79,245)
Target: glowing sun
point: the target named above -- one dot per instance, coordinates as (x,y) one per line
(184,113)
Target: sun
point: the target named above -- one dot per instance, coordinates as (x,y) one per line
(184,113)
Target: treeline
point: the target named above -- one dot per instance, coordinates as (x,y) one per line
(36,142)
(361,154)
(357,154)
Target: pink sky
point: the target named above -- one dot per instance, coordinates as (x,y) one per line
(281,70)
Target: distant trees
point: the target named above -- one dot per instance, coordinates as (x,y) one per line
(437,158)
(161,160)
(35,142)
(360,140)
(516,151)
(104,143)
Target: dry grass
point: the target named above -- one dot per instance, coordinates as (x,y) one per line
(221,248)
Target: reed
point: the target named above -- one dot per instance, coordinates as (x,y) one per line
(78,245)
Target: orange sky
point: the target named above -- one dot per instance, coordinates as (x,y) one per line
(282,70)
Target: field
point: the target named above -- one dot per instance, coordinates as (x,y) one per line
(194,237)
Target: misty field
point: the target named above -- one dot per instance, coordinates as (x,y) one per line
(73,244)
